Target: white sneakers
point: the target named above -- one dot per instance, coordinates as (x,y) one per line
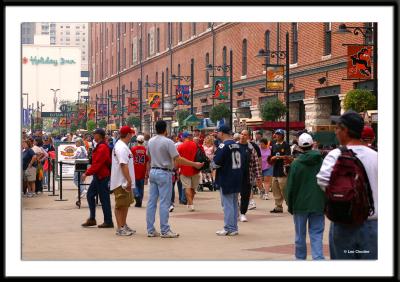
(252,205)
(226,233)
(153,234)
(190,207)
(266,196)
(243,218)
(171,208)
(125,231)
(170,234)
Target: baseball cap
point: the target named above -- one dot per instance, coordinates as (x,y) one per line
(352,120)
(224,129)
(368,133)
(100,131)
(140,138)
(305,140)
(186,134)
(126,129)
(280,131)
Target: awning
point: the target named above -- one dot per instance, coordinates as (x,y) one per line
(271,125)
(191,120)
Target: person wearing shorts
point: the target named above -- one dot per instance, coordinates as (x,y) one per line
(122,180)
(267,168)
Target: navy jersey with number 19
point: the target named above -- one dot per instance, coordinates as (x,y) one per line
(229,161)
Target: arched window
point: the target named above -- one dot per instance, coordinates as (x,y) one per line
(207,80)
(244,57)
(158,40)
(327,38)
(295,44)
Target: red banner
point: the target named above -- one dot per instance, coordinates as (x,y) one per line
(133,105)
(359,62)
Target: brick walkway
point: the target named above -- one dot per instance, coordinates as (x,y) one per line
(51,231)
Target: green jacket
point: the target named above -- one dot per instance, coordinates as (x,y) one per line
(302,193)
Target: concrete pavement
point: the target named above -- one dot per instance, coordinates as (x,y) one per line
(51,230)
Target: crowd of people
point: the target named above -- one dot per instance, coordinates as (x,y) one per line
(299,174)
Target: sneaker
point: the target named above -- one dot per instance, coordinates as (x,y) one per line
(29,195)
(127,228)
(89,222)
(252,205)
(123,232)
(266,197)
(171,208)
(191,207)
(275,210)
(106,225)
(153,234)
(243,218)
(170,234)
(222,232)
(234,233)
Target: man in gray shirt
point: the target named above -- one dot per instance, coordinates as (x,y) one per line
(163,157)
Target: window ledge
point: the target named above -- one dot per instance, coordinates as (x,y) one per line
(327,57)
(243,77)
(293,66)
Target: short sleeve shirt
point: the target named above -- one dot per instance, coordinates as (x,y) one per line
(188,150)
(140,160)
(282,149)
(162,152)
(121,155)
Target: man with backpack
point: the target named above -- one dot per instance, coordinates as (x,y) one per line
(189,176)
(349,177)
(101,170)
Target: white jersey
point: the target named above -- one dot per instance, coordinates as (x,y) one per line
(121,155)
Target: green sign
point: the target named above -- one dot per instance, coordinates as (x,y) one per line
(55,114)
(49,61)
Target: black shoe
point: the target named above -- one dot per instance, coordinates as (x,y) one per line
(106,225)
(276,211)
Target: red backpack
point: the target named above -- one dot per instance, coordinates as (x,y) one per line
(349,194)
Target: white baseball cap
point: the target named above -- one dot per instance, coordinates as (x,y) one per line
(140,138)
(305,140)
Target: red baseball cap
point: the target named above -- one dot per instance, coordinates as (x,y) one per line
(367,133)
(126,129)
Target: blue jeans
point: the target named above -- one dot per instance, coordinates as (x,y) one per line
(139,190)
(360,242)
(76,175)
(160,186)
(230,205)
(181,193)
(101,188)
(316,226)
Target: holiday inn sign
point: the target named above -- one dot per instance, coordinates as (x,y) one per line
(47,61)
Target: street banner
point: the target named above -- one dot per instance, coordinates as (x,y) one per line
(154,100)
(102,110)
(64,122)
(220,87)
(25,117)
(183,94)
(274,78)
(82,113)
(114,108)
(133,105)
(359,62)
(92,114)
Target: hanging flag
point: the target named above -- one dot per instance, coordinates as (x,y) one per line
(183,94)
(133,105)
(114,108)
(102,110)
(359,62)
(220,87)
(274,78)
(82,113)
(154,100)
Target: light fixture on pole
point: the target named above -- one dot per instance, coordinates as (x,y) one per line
(55,98)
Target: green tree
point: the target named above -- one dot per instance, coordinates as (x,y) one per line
(73,127)
(132,121)
(117,123)
(90,125)
(102,123)
(82,124)
(273,110)
(181,115)
(360,100)
(219,112)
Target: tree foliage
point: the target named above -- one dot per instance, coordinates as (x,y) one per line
(360,100)
(181,115)
(90,125)
(102,123)
(273,110)
(132,121)
(219,112)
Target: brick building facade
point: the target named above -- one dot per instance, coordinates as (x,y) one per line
(122,54)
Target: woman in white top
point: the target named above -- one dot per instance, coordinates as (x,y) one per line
(80,153)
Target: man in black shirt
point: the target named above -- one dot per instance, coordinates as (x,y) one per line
(280,149)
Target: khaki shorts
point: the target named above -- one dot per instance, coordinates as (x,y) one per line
(123,198)
(190,181)
(30,174)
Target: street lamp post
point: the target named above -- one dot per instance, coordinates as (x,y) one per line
(226,68)
(147,85)
(27,104)
(281,55)
(55,98)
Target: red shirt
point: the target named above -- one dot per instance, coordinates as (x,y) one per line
(188,150)
(101,162)
(140,160)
